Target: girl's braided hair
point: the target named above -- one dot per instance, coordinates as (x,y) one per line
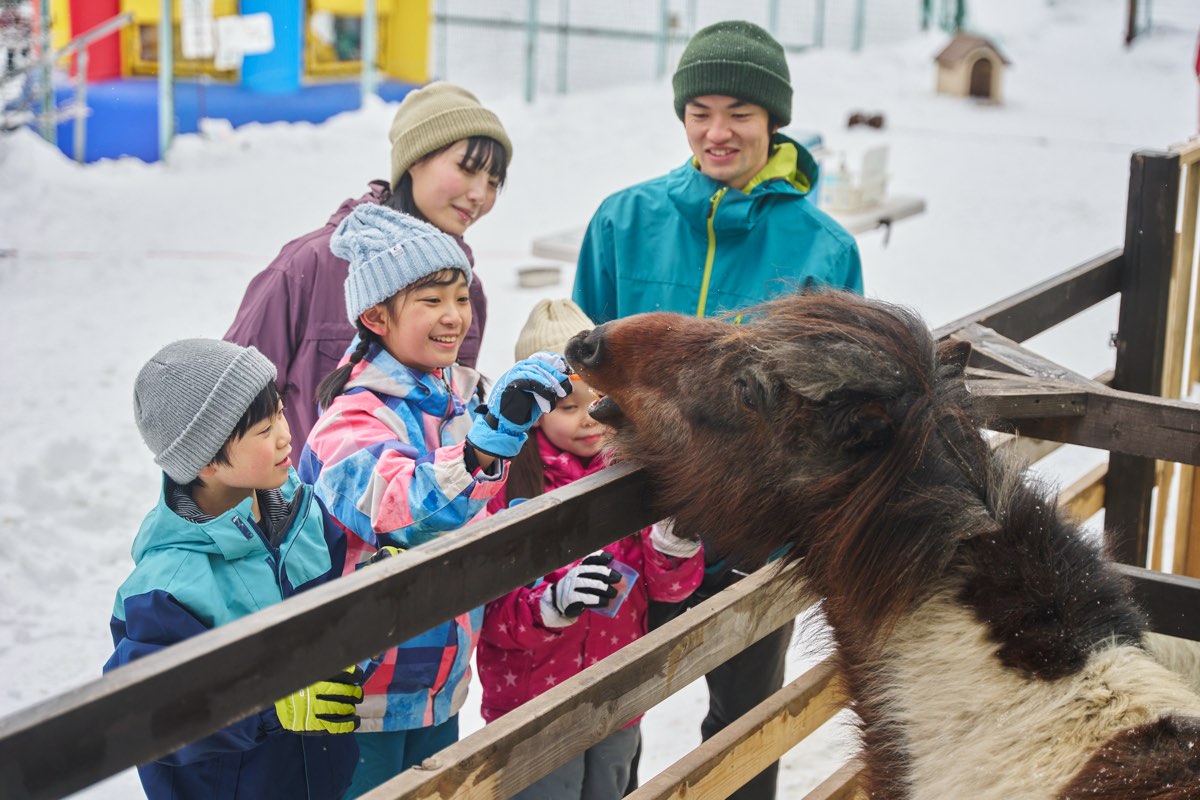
(335,382)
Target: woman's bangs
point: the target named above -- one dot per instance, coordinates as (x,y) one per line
(485,153)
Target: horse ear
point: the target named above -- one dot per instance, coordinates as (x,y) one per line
(859,422)
(955,354)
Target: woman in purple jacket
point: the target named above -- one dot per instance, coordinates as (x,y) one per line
(450,156)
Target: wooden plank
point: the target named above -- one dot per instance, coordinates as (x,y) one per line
(1191,557)
(1169,600)
(1120,422)
(1023,398)
(1141,333)
(1042,306)
(1186,553)
(1000,351)
(1175,357)
(1188,151)
(1023,448)
(724,763)
(1187,525)
(1027,448)
(1164,475)
(507,755)
(1180,292)
(841,785)
(1085,496)
(154,705)
(1192,188)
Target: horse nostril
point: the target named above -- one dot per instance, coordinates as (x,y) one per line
(585,348)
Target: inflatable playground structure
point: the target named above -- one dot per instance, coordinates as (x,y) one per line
(238,60)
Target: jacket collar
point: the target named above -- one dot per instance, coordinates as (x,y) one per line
(562,467)
(431,392)
(790,170)
(228,534)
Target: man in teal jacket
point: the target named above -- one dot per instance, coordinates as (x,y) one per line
(732,227)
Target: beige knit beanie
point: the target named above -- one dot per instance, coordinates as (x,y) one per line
(435,116)
(550,326)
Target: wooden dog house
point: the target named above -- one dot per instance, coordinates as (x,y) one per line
(971,66)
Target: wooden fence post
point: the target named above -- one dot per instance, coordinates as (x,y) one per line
(1141,337)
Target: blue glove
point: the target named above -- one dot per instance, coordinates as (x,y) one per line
(531,388)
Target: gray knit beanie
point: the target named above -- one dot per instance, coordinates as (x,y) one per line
(435,116)
(738,59)
(388,251)
(550,326)
(189,397)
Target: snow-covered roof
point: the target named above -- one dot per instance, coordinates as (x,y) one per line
(963,44)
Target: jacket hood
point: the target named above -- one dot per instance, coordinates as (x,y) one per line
(433,393)
(790,161)
(377,192)
(163,528)
(790,171)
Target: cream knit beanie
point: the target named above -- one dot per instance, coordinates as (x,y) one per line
(550,326)
(435,116)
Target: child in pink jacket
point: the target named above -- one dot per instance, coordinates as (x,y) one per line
(538,636)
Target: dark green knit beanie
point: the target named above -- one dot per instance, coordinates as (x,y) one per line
(738,59)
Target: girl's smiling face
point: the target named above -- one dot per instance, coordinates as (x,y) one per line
(423,327)
(569,427)
(451,194)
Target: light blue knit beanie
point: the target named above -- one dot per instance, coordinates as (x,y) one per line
(388,251)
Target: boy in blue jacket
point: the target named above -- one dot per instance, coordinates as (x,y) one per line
(234,531)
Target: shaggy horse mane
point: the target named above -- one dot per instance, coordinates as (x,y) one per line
(917,492)
(834,433)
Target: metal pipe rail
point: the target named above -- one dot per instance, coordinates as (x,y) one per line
(79,48)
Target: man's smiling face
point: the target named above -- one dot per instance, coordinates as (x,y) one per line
(730,138)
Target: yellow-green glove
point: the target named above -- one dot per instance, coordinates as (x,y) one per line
(327,706)
(387,551)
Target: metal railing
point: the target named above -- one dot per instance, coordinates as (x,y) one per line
(77,47)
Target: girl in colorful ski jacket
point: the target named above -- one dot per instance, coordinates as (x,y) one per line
(398,460)
(537,636)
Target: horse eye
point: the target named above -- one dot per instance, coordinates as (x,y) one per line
(746,395)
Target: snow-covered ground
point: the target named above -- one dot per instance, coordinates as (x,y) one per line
(101,265)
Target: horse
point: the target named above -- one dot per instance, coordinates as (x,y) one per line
(988,647)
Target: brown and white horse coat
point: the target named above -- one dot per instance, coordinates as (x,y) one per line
(989,649)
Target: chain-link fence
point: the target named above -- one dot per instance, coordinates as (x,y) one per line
(16,59)
(560,46)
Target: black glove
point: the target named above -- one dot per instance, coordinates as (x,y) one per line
(528,390)
(589,584)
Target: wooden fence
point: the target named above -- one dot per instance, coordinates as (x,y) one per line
(153,706)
